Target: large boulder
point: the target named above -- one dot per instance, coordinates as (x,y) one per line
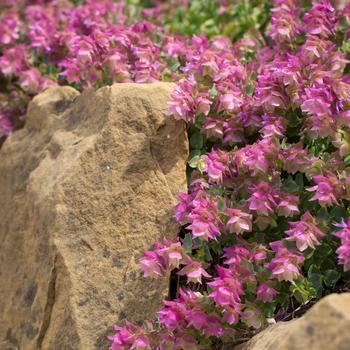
(324,327)
(86,186)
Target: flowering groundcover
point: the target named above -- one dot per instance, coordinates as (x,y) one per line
(267,103)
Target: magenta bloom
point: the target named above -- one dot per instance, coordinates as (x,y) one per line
(172,316)
(285,264)
(227,292)
(234,255)
(252,316)
(204,218)
(129,337)
(296,158)
(265,293)
(320,19)
(9,27)
(216,165)
(263,198)
(343,251)
(232,101)
(327,188)
(288,206)
(258,158)
(193,271)
(239,221)
(284,27)
(186,102)
(209,325)
(166,256)
(305,232)
(151,264)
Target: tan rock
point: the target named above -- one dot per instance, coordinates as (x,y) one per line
(86,186)
(324,327)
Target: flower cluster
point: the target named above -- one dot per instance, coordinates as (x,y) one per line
(343,251)
(94,43)
(270,144)
(268,118)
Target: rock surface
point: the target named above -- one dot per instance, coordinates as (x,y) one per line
(86,186)
(324,327)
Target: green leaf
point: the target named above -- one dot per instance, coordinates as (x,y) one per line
(250,287)
(290,185)
(283,299)
(299,179)
(321,253)
(303,290)
(213,92)
(337,213)
(328,264)
(207,255)
(221,204)
(197,141)
(193,162)
(347,159)
(316,281)
(200,119)
(194,152)
(323,213)
(268,308)
(248,264)
(216,248)
(249,89)
(331,277)
(313,269)
(187,244)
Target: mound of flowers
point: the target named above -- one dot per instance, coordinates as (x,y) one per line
(265,221)
(95,43)
(265,228)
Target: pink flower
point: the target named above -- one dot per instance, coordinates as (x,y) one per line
(252,316)
(284,27)
(256,159)
(343,252)
(14,60)
(227,290)
(151,264)
(166,256)
(320,19)
(239,221)
(216,165)
(30,80)
(263,198)
(5,122)
(232,101)
(265,293)
(305,232)
(129,337)
(209,325)
(285,264)
(204,218)
(193,271)
(296,158)
(186,102)
(258,253)
(234,255)
(9,27)
(327,188)
(172,316)
(172,253)
(203,230)
(183,208)
(288,206)
(273,125)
